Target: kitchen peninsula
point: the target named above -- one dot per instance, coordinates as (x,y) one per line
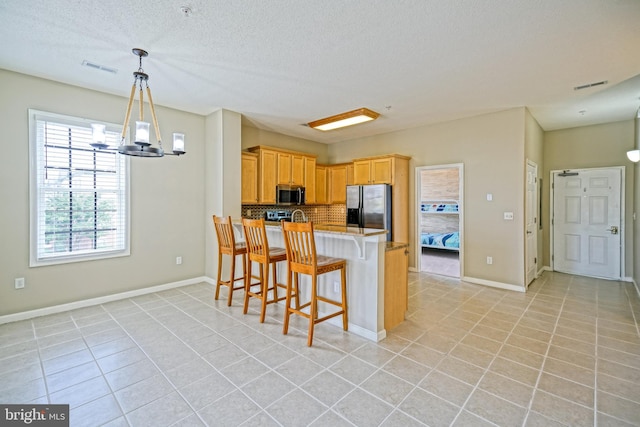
(365,250)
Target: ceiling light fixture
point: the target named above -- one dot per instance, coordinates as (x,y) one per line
(634,155)
(141,146)
(349,118)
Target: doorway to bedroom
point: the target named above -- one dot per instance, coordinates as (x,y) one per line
(439,219)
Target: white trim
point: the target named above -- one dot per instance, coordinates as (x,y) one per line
(359,330)
(34,116)
(461,210)
(623,224)
(99,300)
(493,284)
(536,204)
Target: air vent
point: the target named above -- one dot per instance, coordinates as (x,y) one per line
(588,85)
(99,67)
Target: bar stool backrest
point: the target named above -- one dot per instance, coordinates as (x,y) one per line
(224,233)
(256,236)
(300,246)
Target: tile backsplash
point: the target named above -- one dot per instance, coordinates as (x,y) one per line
(316,213)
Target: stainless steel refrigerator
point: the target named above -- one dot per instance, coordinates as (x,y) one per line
(369,206)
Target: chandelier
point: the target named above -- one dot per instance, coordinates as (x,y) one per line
(141,146)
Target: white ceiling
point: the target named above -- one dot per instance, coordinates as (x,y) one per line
(282,63)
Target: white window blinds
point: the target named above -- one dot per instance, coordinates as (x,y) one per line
(79,196)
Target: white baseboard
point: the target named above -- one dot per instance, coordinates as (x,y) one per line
(100,300)
(493,284)
(355,329)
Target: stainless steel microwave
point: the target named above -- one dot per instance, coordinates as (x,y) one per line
(290,195)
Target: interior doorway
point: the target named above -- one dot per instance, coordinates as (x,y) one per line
(587,218)
(439,219)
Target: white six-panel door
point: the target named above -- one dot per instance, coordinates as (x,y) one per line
(586,222)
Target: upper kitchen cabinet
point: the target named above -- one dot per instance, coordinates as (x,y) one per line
(378,170)
(310,179)
(337,183)
(278,167)
(321,185)
(249,178)
(291,168)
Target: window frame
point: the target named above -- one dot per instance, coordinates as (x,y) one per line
(35,187)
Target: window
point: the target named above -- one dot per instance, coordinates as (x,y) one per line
(79,196)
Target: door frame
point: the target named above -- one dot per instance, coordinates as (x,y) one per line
(535,202)
(418,192)
(623,251)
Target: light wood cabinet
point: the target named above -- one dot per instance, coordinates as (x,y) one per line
(249,178)
(278,166)
(268,162)
(291,168)
(350,180)
(396,278)
(321,185)
(337,177)
(309,181)
(389,169)
(373,171)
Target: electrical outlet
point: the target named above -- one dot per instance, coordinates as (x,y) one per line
(19,283)
(249,213)
(178,260)
(336,286)
(316,211)
(508,215)
(489,260)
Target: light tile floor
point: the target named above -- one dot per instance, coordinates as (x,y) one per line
(565,353)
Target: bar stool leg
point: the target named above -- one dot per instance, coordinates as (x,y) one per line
(247,286)
(343,278)
(313,308)
(219,282)
(232,276)
(264,283)
(287,303)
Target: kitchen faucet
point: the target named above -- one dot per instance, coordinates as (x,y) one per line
(293,215)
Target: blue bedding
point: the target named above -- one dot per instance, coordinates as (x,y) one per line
(441,240)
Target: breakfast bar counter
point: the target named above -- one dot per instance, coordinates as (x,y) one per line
(364,250)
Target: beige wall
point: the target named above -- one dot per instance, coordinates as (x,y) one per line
(592,147)
(167,202)
(492,149)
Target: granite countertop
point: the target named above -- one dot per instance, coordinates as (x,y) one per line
(335,229)
(392,246)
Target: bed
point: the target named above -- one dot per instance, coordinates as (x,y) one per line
(450,241)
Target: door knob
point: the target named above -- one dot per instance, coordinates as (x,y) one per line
(613,229)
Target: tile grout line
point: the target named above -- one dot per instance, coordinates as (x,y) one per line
(495,356)
(546,355)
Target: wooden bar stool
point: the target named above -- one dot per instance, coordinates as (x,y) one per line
(300,245)
(259,251)
(227,246)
